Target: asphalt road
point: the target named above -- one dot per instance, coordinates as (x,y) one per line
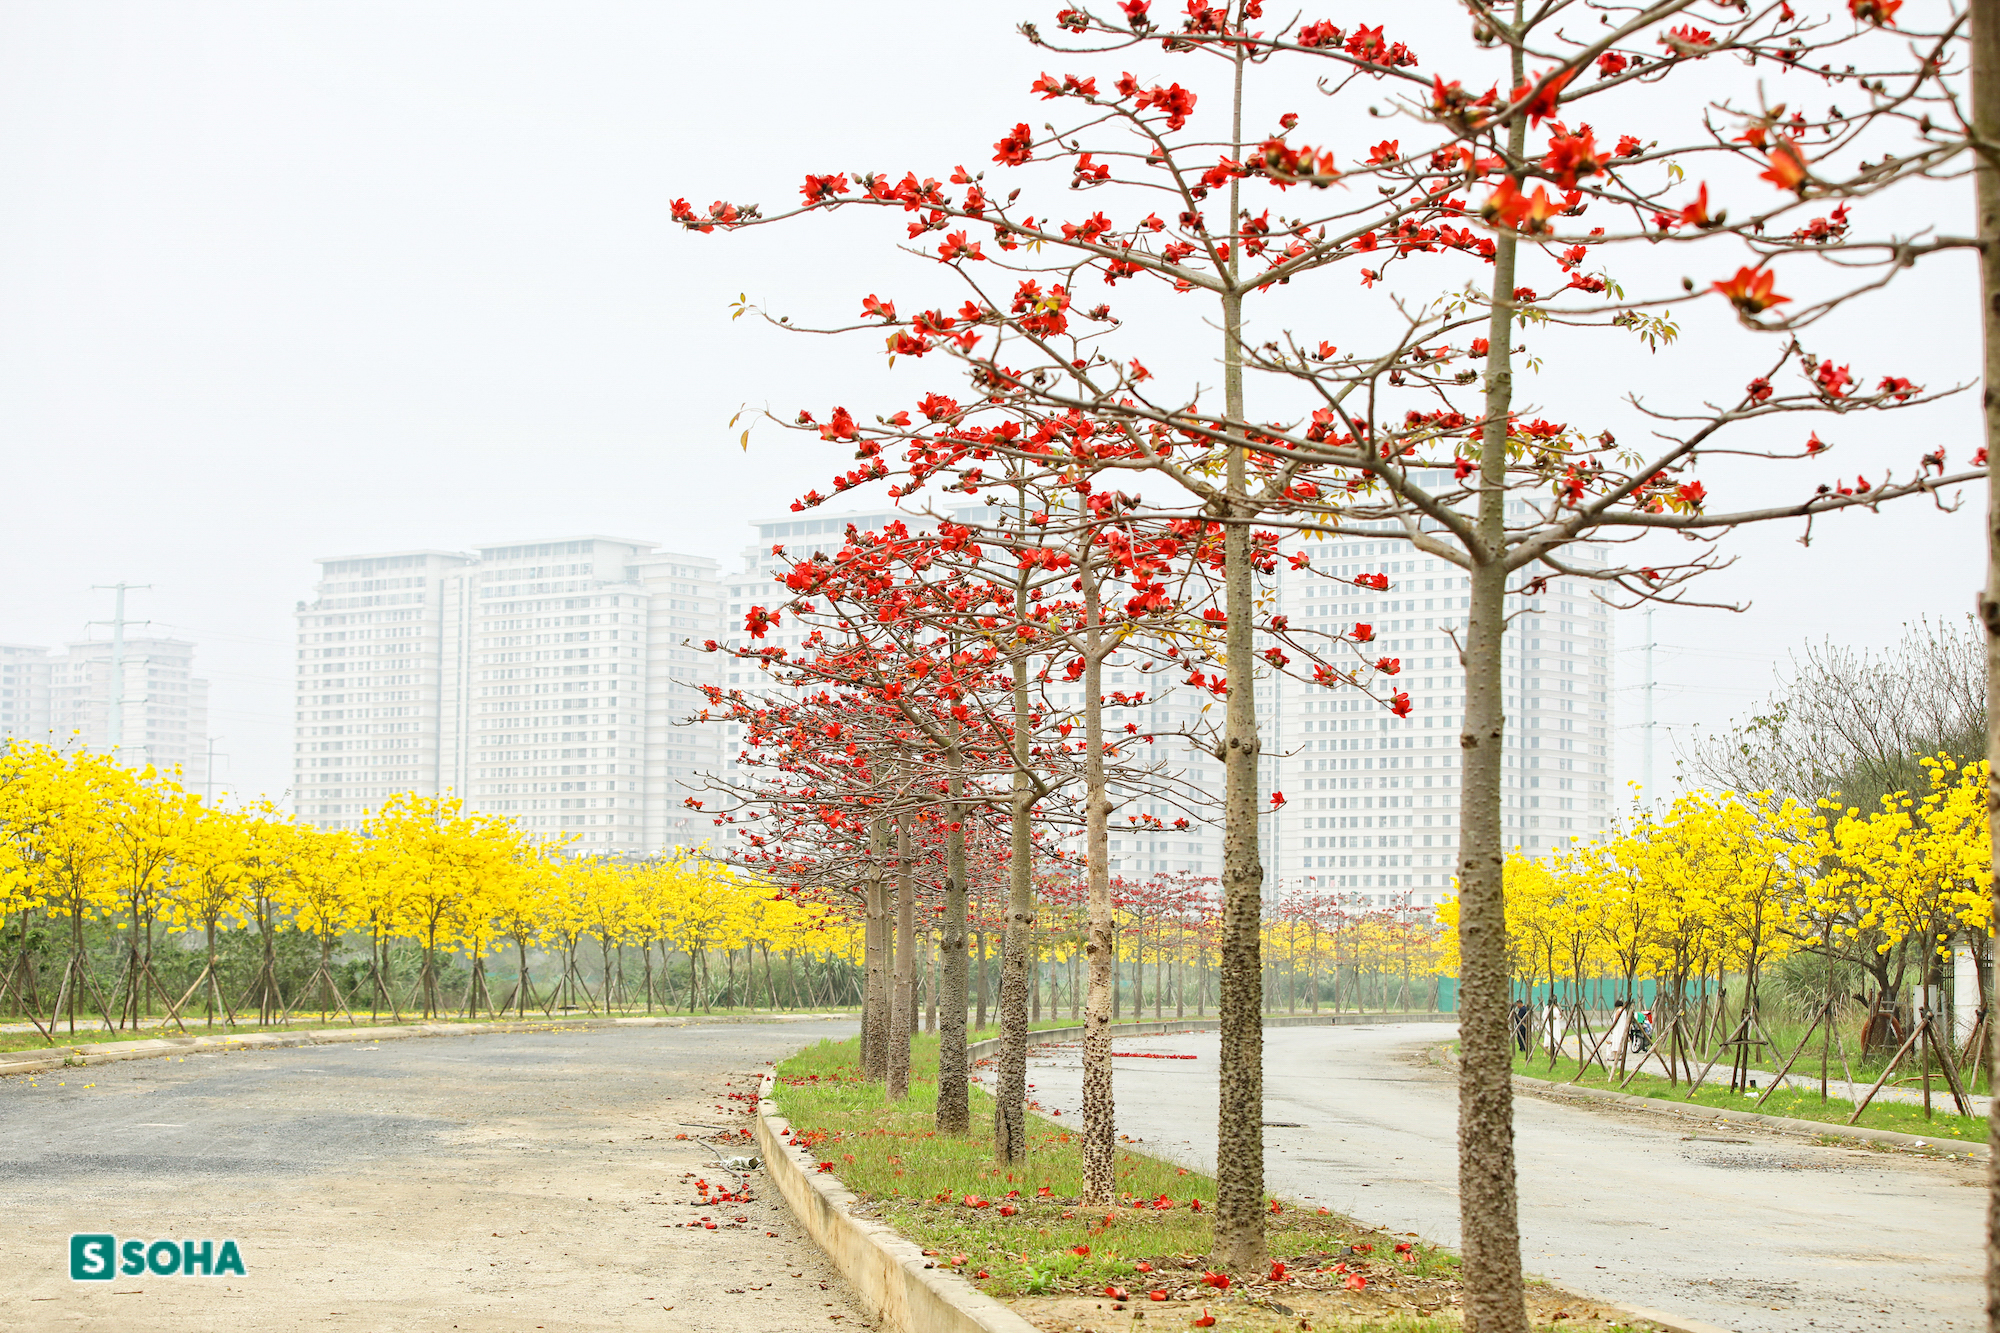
(1762,1234)
(517,1182)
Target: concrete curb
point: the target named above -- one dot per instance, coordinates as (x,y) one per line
(1709,1115)
(72,1057)
(893,1277)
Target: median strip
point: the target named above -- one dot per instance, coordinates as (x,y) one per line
(938,1239)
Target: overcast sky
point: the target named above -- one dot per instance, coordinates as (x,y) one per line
(280,281)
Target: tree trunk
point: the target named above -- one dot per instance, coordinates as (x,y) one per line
(875,1000)
(1010,1117)
(930,980)
(1489,1225)
(979,978)
(1985,16)
(1100,1129)
(903,1010)
(1239,1140)
(1180,969)
(954,1113)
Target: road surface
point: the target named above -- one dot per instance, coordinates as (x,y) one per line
(1758,1233)
(517,1182)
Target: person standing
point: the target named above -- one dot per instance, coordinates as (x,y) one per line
(1521,1022)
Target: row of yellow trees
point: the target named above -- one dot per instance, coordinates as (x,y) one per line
(1716,889)
(89,846)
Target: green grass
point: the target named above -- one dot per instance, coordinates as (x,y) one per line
(1052,1248)
(1797,1099)
(919,1179)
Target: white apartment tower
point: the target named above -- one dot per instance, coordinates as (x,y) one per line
(548,681)
(1372,801)
(24,691)
(66,701)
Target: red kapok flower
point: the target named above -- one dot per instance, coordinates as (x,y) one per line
(1750,290)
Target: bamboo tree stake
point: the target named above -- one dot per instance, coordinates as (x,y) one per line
(74,970)
(1595,1050)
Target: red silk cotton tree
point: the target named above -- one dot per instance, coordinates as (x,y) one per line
(1447,228)
(903,665)
(897,648)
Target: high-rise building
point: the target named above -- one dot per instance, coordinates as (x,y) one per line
(548,681)
(155,711)
(553,681)
(24,691)
(1372,801)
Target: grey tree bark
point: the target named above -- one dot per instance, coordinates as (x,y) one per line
(902,1009)
(954,1113)
(1099,1120)
(1489,1224)
(875,1000)
(1239,1174)
(1010,1123)
(1986,175)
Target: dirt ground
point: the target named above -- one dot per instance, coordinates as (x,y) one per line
(516,1182)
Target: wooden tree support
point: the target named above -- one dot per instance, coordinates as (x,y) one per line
(76,976)
(382,993)
(321,973)
(475,989)
(1973,1053)
(17,980)
(514,993)
(133,987)
(1741,1027)
(1584,1062)
(1947,1064)
(264,987)
(1823,1014)
(1901,1051)
(1658,1050)
(216,996)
